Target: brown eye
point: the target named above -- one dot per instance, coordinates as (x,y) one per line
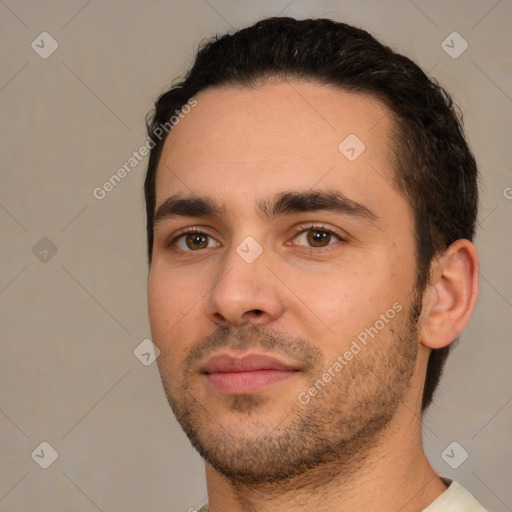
(196,241)
(318,237)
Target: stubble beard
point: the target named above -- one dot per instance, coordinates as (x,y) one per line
(329,436)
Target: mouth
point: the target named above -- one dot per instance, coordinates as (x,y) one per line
(249,374)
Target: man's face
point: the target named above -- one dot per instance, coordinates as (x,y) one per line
(282,287)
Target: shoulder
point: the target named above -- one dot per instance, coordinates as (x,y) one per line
(455,499)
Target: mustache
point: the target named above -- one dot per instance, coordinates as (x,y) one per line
(254,337)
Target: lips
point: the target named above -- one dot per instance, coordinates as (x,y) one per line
(249,363)
(252,373)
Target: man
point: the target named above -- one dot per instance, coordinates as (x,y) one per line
(311,202)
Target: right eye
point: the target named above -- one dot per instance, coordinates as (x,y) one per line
(194,241)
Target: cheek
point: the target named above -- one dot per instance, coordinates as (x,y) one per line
(336,306)
(171,299)
(325,307)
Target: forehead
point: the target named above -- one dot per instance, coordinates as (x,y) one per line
(278,136)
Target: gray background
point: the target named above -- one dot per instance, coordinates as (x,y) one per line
(70,321)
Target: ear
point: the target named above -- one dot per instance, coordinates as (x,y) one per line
(450,295)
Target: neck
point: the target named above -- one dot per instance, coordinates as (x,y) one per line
(394,474)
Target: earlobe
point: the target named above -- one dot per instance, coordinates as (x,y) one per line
(450,295)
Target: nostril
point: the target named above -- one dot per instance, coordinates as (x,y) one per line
(219,318)
(257,312)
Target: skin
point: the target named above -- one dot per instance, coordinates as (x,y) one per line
(240,147)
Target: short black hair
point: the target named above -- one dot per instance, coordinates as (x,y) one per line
(435,169)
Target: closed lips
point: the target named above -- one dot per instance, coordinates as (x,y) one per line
(249,363)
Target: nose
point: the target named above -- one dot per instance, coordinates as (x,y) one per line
(245,292)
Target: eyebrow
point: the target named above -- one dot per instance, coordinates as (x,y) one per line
(194,206)
(281,204)
(297,202)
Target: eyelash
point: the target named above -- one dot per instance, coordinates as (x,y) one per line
(188,231)
(316,227)
(299,231)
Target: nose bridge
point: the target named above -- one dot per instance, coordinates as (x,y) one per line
(246,289)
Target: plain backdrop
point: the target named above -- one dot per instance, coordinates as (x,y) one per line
(73,267)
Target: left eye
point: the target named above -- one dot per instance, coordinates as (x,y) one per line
(195,241)
(316,238)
